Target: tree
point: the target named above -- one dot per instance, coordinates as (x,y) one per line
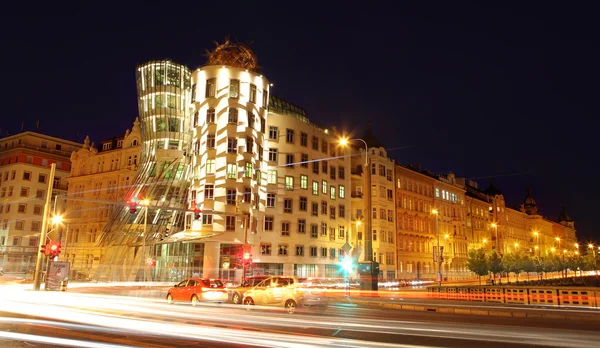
(538,266)
(477,262)
(528,265)
(589,262)
(494,262)
(513,262)
(552,263)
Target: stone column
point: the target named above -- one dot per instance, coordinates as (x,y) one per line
(212,257)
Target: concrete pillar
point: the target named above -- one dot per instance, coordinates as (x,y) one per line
(212,257)
(288,269)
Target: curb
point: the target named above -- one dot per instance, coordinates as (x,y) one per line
(509,313)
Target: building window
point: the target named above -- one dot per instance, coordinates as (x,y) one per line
(210,166)
(332,212)
(289,135)
(299,250)
(303,139)
(209,191)
(231,145)
(22,208)
(210,141)
(304,160)
(342,191)
(313,251)
(230,223)
(16,241)
(342,211)
(324,207)
(285,228)
(304,182)
(389,175)
(315,190)
(234,88)
(27,176)
(273,154)
(35,227)
(231,171)
(210,116)
(260,153)
(289,161)
(270,200)
(42,178)
(301,225)
(249,145)
(252,96)
(269,220)
(315,143)
(233,116)
(282,250)
(287,205)
(273,133)
(37,210)
(251,120)
(211,86)
(248,171)
(324,187)
(272,177)
(315,209)
(324,146)
(19,225)
(323,252)
(263,124)
(247,195)
(231,196)
(314,231)
(323,229)
(39,194)
(332,194)
(316,167)
(289,182)
(207,219)
(341,232)
(24,191)
(324,167)
(341,173)
(265,249)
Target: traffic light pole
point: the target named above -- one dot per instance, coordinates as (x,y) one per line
(38,264)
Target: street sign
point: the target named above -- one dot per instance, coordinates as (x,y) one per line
(58,272)
(346,247)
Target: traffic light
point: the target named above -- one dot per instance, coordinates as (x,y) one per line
(132,203)
(197,210)
(54,249)
(44,249)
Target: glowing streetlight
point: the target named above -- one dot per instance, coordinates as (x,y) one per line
(368,223)
(516,246)
(576,246)
(484,241)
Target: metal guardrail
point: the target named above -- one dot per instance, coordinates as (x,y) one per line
(548,296)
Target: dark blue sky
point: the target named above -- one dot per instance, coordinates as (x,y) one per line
(484,91)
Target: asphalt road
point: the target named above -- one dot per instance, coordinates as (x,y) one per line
(90,319)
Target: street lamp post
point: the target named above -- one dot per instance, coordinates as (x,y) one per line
(438,255)
(368,208)
(495,227)
(40,256)
(537,242)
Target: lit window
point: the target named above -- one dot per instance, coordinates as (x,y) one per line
(315,188)
(272,177)
(303,182)
(210,166)
(289,182)
(252,96)
(234,88)
(231,171)
(248,171)
(324,187)
(342,192)
(332,192)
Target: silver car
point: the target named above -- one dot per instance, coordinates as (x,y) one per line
(286,292)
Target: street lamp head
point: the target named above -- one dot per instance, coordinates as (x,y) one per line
(56,219)
(145,202)
(558,239)
(516,245)
(434,211)
(358,223)
(343,141)
(446,236)
(484,241)
(576,245)
(536,247)
(494,225)
(535,233)
(553,249)
(564,251)
(591,246)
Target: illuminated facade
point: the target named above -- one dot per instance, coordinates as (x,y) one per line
(415,223)
(135,244)
(25,160)
(449,200)
(98,185)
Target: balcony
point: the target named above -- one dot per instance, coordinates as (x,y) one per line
(356,194)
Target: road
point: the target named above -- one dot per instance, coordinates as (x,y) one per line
(86,319)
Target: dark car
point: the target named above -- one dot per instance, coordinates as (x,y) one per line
(195,290)
(237,294)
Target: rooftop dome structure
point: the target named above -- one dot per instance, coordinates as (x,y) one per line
(233,54)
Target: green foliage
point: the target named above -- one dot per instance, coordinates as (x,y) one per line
(528,264)
(552,263)
(589,262)
(494,262)
(513,262)
(477,262)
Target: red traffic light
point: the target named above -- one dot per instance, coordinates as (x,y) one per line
(44,250)
(132,203)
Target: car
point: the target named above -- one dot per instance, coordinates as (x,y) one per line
(197,290)
(236,294)
(286,292)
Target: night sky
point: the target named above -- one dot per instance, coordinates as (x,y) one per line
(485,92)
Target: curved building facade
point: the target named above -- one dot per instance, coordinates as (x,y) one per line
(135,237)
(230,108)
